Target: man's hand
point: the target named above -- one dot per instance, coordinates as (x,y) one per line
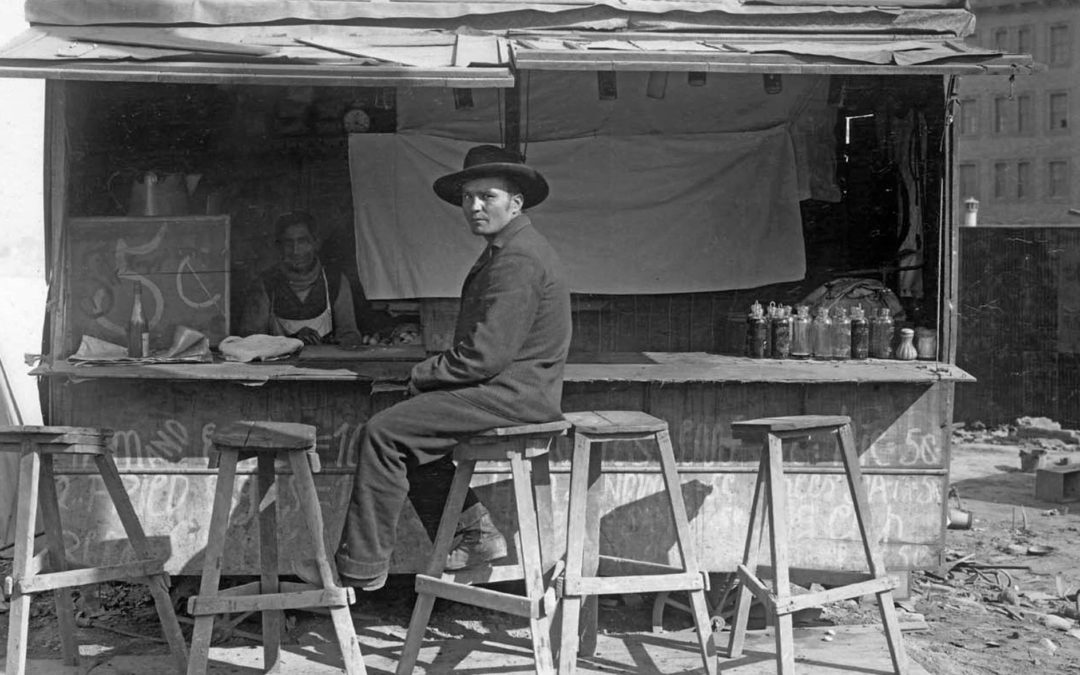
(308,336)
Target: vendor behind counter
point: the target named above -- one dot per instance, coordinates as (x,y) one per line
(300,297)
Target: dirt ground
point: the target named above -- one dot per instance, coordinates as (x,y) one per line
(1004,603)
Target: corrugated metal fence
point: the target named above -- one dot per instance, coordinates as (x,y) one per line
(1020,324)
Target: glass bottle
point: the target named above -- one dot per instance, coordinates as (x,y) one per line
(756,331)
(841,334)
(905,351)
(800,333)
(881,335)
(138,336)
(860,334)
(780,332)
(821,335)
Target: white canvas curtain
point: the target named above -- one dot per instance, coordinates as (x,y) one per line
(634,214)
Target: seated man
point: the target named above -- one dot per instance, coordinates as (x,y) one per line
(297,297)
(505,368)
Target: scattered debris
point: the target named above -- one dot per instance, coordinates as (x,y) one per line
(1044,427)
(1055,622)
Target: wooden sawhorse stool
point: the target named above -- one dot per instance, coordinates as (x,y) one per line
(526,447)
(37,488)
(266,441)
(591,430)
(770,498)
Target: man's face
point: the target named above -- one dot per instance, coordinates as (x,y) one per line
(297,248)
(489,204)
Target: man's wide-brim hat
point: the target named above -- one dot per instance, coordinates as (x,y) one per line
(488,161)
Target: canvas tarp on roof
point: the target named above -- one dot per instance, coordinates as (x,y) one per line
(225,12)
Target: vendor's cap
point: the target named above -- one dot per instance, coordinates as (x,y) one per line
(487,161)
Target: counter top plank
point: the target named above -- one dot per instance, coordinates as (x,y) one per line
(664,367)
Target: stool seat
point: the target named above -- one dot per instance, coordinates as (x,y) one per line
(49,571)
(604,422)
(526,447)
(269,596)
(57,440)
(265,436)
(582,582)
(557,427)
(805,423)
(769,504)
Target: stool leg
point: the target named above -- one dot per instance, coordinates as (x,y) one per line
(54,535)
(778,543)
(751,552)
(272,619)
(529,538)
(26,515)
(577,531)
(215,550)
(540,466)
(874,556)
(591,566)
(341,617)
(158,584)
(459,487)
(686,549)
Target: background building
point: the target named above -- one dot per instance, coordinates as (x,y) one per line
(1018,142)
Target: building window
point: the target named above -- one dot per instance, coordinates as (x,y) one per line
(969,181)
(1025,40)
(1059,111)
(1024,114)
(1001,176)
(1001,115)
(1023,180)
(1060,45)
(969,117)
(1001,39)
(1057,179)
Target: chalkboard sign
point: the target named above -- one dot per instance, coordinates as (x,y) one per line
(182,263)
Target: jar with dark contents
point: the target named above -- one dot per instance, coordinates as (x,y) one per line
(881,335)
(860,334)
(756,332)
(780,333)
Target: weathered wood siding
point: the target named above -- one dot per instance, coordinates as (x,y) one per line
(1020,324)
(164,429)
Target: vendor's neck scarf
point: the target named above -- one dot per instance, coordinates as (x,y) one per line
(301,283)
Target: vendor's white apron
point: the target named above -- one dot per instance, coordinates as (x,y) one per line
(322,324)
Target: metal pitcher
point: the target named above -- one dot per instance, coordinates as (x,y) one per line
(169,194)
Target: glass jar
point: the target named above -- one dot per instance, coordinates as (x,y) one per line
(821,335)
(800,333)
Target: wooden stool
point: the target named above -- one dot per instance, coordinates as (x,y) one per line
(770,498)
(591,429)
(37,488)
(266,440)
(526,448)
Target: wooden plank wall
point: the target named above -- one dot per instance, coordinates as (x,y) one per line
(164,430)
(1020,324)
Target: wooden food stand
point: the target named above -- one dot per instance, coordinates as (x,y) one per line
(262,114)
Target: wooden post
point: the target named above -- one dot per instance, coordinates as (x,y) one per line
(512,112)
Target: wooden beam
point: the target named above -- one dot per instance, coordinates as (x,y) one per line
(92,575)
(327,597)
(480,597)
(263,74)
(649,583)
(795,603)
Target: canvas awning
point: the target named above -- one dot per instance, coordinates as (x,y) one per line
(760,53)
(303,54)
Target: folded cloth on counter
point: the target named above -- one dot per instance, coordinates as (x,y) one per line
(188,346)
(258,347)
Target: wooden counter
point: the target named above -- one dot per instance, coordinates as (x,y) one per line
(393,365)
(165,415)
